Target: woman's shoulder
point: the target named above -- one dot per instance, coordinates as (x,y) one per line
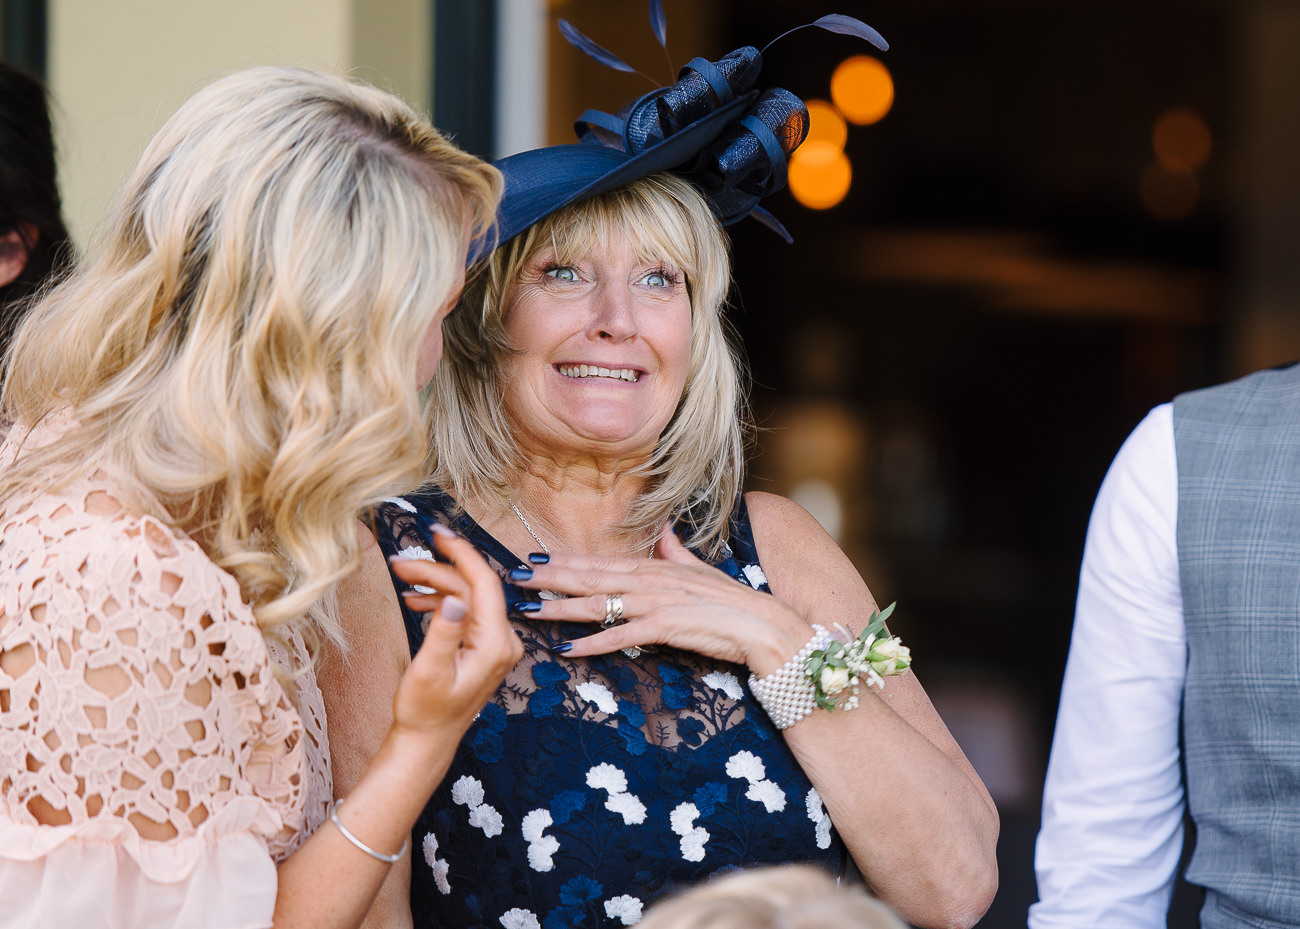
(802,560)
(780,520)
(124,610)
(95,528)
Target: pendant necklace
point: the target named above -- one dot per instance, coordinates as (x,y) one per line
(632,651)
(538,540)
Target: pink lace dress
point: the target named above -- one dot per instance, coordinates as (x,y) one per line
(152,768)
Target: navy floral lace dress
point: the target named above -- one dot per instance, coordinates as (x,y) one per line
(589,787)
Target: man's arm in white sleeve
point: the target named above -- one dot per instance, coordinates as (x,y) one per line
(1112,829)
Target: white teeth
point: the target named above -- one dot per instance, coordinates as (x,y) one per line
(623,374)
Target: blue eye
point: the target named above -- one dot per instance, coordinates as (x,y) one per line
(562,274)
(659,279)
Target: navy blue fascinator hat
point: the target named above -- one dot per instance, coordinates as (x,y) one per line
(713,127)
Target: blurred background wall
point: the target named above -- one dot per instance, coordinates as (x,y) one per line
(1019,229)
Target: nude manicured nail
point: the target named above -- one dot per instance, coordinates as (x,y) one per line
(453,609)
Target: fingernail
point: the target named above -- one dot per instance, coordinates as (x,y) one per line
(521,574)
(438,528)
(453,609)
(562,648)
(539,558)
(526,606)
(419,591)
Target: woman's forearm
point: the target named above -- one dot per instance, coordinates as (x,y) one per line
(919,824)
(329,882)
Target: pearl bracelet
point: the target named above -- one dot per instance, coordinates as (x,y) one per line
(786,694)
(378,856)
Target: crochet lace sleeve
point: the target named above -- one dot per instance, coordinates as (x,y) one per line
(151,765)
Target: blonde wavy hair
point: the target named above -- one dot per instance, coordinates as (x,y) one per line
(698,464)
(780,897)
(242,336)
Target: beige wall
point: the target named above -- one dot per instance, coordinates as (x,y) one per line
(117,69)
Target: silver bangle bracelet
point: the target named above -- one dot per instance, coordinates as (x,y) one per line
(378,856)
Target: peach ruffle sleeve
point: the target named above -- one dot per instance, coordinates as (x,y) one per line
(152,767)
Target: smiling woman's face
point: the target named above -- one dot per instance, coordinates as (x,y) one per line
(604,347)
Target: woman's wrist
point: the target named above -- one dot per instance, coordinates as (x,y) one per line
(421,754)
(784,635)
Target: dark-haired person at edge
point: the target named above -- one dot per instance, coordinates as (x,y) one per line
(33,241)
(588,437)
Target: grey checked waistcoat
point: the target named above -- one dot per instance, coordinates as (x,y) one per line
(1238,452)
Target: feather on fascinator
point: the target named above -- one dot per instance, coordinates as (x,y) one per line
(712,127)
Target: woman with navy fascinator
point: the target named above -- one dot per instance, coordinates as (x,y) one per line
(706,682)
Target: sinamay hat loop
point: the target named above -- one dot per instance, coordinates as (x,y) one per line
(711,127)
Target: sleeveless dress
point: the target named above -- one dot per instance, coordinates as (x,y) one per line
(589,787)
(136,689)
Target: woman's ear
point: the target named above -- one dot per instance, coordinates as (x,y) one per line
(15,247)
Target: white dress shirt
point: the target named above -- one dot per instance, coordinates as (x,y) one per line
(1112,829)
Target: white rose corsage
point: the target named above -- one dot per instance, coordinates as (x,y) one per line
(836,671)
(826,672)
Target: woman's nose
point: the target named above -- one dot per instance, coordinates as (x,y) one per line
(614,318)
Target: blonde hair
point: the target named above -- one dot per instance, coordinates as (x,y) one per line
(697,467)
(782,897)
(242,337)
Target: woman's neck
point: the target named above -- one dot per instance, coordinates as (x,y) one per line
(568,509)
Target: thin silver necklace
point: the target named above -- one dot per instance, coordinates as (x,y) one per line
(538,540)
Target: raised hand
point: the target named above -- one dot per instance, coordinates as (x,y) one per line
(468,647)
(674,599)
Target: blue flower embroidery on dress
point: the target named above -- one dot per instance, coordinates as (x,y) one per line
(589,787)
(486,739)
(677,688)
(566,803)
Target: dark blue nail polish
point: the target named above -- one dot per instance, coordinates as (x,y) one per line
(539,558)
(526,606)
(562,648)
(521,574)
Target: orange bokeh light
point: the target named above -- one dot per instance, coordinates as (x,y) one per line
(825,124)
(1181,139)
(863,89)
(820,174)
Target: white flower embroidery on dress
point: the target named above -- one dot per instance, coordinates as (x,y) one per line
(599,694)
(519,919)
(749,766)
(693,844)
(726,682)
(607,777)
(489,820)
(436,864)
(817,813)
(624,908)
(541,848)
(398,501)
(468,791)
(746,765)
(768,794)
(416,552)
(682,820)
(754,574)
(629,807)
